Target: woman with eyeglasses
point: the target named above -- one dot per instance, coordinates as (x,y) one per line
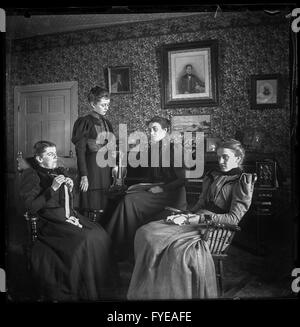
(90,134)
(71,255)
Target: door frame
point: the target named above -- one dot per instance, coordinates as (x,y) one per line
(72,86)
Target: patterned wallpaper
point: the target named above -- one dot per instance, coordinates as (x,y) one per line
(249,43)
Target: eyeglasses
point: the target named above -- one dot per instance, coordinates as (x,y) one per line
(104,105)
(51,154)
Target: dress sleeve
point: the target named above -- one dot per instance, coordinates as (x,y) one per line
(240,204)
(31,193)
(201,201)
(80,136)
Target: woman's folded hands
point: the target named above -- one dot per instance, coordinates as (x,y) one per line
(201,216)
(183,219)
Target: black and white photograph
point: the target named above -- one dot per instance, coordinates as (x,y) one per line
(89,216)
(189,74)
(119,79)
(266,91)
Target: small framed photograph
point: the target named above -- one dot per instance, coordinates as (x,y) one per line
(265,91)
(191,123)
(211,143)
(189,74)
(266,174)
(119,79)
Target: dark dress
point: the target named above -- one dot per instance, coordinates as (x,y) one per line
(173,262)
(69,263)
(88,139)
(141,207)
(188,84)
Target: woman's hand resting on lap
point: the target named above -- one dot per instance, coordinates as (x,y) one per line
(155,189)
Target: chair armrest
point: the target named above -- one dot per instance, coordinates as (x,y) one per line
(212,225)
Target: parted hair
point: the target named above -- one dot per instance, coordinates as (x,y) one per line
(97,93)
(234,145)
(40,147)
(163,122)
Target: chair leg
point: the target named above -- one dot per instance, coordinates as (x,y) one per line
(220,263)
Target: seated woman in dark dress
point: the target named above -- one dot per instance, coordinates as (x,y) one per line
(140,207)
(71,256)
(171,260)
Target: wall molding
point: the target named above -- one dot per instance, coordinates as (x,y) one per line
(191,24)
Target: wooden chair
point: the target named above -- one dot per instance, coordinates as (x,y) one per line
(95,215)
(32,234)
(219,238)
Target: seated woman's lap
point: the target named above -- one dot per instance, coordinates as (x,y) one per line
(67,232)
(158,232)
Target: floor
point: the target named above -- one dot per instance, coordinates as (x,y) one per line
(247,275)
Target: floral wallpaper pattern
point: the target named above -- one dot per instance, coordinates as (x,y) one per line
(249,43)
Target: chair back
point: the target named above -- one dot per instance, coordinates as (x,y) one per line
(219,237)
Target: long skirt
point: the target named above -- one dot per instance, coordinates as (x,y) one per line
(100,180)
(135,210)
(171,262)
(72,263)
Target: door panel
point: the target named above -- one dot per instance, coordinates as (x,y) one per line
(33,104)
(57,134)
(32,133)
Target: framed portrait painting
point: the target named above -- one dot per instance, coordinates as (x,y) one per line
(265,91)
(119,79)
(189,74)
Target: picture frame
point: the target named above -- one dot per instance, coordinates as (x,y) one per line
(253,139)
(191,123)
(211,144)
(197,60)
(266,174)
(120,79)
(265,91)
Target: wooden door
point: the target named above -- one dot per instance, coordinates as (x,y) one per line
(45,115)
(45,112)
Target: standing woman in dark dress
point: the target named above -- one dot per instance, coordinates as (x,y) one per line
(71,255)
(89,136)
(139,207)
